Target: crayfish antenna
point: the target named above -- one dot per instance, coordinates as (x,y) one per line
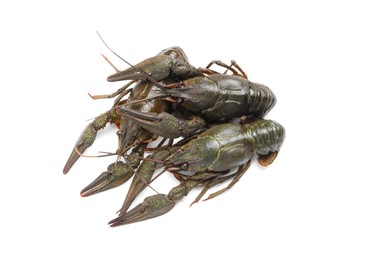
(110,63)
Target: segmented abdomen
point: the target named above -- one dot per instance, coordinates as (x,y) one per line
(260,100)
(265,136)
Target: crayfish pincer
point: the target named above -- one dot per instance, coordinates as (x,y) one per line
(158,68)
(209,156)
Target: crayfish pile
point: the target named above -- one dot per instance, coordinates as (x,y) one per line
(210,124)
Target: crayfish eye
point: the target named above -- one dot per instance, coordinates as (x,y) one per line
(184,166)
(119,133)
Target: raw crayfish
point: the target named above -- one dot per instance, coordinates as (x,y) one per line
(204,98)
(209,156)
(174,99)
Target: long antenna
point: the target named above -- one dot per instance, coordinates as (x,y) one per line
(137,69)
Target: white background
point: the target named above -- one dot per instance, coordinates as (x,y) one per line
(308,205)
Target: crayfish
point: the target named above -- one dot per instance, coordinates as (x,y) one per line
(172,99)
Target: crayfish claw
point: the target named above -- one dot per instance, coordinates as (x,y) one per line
(151,207)
(155,205)
(85,140)
(164,124)
(157,67)
(116,174)
(88,136)
(142,178)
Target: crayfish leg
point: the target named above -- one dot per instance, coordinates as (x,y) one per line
(234,65)
(123,91)
(237,176)
(110,63)
(210,184)
(209,180)
(267,159)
